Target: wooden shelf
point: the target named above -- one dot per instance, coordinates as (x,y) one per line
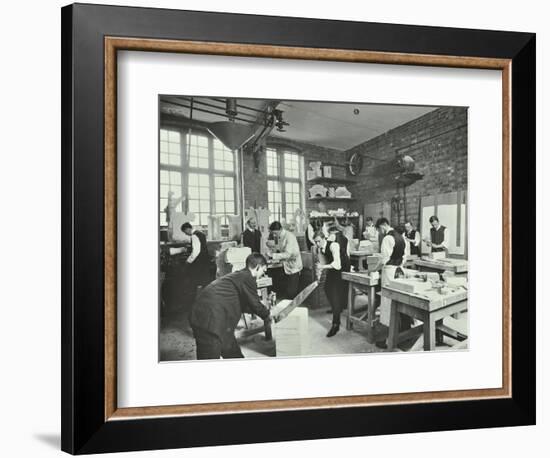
(331,199)
(321,180)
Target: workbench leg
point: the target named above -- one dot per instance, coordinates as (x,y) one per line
(372,305)
(351,305)
(268,332)
(438,333)
(429,334)
(393,334)
(370,313)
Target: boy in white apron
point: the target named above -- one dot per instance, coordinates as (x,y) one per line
(394,251)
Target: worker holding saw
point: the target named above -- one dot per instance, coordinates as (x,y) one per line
(220,305)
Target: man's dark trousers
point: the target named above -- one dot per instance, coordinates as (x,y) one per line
(211,346)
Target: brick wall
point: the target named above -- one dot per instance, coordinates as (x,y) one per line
(438,143)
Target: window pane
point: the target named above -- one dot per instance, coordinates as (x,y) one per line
(175,178)
(174,148)
(193,206)
(170,147)
(197,146)
(291,164)
(203,180)
(274,200)
(204,205)
(271,162)
(174,159)
(174,136)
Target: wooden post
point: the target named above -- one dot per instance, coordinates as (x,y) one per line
(393,335)
(268,332)
(351,303)
(429,334)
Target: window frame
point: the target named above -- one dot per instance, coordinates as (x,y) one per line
(185,169)
(282,179)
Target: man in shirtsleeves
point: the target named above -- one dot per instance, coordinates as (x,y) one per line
(438,236)
(288,253)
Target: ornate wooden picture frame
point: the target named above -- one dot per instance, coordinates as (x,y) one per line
(91,419)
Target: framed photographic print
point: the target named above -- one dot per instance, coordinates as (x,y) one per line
(271,222)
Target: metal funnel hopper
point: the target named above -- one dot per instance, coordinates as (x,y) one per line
(231,134)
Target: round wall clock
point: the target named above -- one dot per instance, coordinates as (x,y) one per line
(355,164)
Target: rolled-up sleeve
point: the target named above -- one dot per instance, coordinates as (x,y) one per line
(386,249)
(443,244)
(196,248)
(336,262)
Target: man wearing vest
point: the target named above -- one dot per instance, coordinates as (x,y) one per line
(413,237)
(394,251)
(337,261)
(251,236)
(438,236)
(197,267)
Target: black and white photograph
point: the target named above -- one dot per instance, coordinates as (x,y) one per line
(291,228)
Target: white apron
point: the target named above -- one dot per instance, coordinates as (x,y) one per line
(388,273)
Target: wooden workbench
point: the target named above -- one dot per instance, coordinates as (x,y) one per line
(458,266)
(430,307)
(359,258)
(363,282)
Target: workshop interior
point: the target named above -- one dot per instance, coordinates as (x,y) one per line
(292,228)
